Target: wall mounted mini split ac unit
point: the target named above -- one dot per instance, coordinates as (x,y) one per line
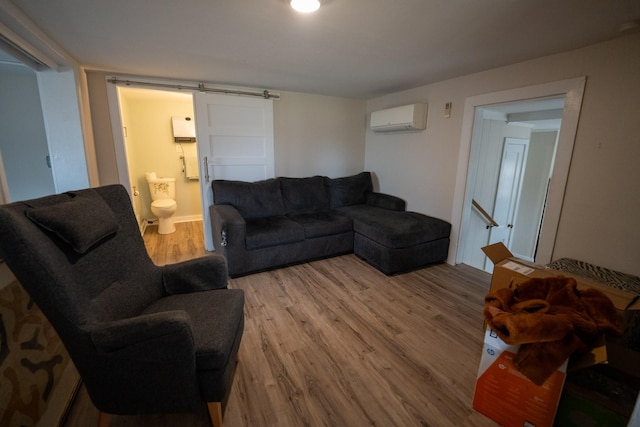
(404,118)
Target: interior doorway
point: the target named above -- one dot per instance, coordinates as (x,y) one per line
(234,140)
(488,121)
(25,167)
(148,145)
(509,172)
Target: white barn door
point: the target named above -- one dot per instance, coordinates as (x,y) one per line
(235,141)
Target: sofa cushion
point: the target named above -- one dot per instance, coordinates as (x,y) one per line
(81,222)
(273,231)
(396,229)
(350,190)
(260,199)
(304,195)
(322,224)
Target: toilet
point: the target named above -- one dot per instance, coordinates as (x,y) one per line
(163,205)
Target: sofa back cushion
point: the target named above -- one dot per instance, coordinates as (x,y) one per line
(304,195)
(254,200)
(350,190)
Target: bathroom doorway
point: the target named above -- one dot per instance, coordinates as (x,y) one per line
(149,146)
(234,134)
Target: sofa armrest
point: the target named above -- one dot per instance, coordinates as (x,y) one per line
(147,337)
(227,226)
(386,201)
(199,274)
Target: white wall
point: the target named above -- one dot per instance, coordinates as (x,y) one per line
(318,135)
(602,201)
(23,142)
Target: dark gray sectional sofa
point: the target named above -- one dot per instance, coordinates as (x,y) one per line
(281,221)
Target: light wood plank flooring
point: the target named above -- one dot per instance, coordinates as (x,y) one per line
(186,243)
(337,343)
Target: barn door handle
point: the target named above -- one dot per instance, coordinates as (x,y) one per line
(206,168)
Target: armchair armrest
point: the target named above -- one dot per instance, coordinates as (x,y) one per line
(199,274)
(157,337)
(137,354)
(386,201)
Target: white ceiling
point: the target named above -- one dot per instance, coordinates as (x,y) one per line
(353,48)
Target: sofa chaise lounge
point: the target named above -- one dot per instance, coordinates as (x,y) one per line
(282,221)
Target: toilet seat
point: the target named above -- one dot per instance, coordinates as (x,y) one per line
(163,203)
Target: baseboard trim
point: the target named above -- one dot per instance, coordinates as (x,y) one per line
(176,219)
(187,218)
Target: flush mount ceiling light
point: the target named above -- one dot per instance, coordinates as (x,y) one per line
(305,6)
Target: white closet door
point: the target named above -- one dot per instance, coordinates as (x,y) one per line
(514,159)
(235,141)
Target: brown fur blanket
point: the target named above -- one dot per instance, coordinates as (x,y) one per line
(550,319)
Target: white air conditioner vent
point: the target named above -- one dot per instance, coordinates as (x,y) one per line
(404,118)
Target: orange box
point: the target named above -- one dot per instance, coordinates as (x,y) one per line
(508,397)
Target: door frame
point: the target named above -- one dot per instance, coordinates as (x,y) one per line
(117,129)
(115,114)
(573,91)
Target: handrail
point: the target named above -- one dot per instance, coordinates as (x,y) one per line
(492,222)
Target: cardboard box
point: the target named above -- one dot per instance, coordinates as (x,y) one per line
(504,394)
(509,271)
(508,397)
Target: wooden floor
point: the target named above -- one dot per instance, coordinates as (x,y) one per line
(186,243)
(337,343)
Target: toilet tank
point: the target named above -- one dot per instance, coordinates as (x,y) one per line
(162,188)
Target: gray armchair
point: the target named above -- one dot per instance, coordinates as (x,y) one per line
(144,338)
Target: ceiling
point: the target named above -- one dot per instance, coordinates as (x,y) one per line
(351,48)
(537,114)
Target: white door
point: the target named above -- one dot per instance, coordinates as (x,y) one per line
(514,159)
(235,141)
